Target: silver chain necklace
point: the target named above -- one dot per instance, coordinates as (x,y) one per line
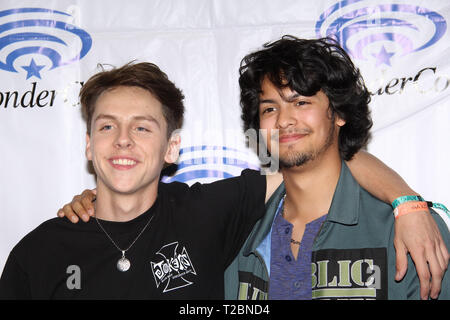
(123,264)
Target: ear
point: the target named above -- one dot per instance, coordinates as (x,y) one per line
(173,149)
(339,121)
(88,147)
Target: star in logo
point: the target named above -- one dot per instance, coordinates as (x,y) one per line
(383,57)
(33,69)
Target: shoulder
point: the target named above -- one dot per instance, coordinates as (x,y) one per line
(45,234)
(370,202)
(375,214)
(42,231)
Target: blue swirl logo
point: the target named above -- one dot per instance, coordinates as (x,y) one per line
(381,32)
(208,163)
(37,32)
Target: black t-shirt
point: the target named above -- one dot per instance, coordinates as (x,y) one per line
(195,233)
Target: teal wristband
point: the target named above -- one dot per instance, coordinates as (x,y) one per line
(404,199)
(440,206)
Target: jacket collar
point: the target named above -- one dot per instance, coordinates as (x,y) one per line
(264,226)
(345,205)
(344,208)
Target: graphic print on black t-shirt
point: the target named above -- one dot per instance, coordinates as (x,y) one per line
(171,267)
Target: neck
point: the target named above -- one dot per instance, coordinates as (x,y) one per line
(310,188)
(114,206)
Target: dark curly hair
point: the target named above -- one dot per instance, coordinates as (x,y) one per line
(307,66)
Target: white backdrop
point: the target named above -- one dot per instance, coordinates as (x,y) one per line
(48,47)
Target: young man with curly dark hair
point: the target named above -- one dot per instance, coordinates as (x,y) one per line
(323,235)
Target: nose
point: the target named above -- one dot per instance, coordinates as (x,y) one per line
(285,117)
(124,139)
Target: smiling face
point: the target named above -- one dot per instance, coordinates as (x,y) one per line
(305,127)
(128,143)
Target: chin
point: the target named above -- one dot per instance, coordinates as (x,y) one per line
(295,159)
(123,187)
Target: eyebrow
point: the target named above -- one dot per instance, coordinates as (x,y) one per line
(135,118)
(290,98)
(104,116)
(266,101)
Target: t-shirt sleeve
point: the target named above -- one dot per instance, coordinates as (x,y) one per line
(14,282)
(236,204)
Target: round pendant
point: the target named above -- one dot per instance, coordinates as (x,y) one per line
(123,264)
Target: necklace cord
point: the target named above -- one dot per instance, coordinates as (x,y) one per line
(118,248)
(283,215)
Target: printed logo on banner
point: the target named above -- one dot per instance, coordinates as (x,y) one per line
(211,162)
(379,33)
(29,35)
